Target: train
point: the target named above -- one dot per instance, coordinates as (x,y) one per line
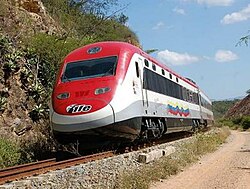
(114,91)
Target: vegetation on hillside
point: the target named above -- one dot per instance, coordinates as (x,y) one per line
(234,114)
(9,153)
(91,20)
(240,123)
(221,107)
(29,62)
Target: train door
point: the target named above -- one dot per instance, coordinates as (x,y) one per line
(139,72)
(200,107)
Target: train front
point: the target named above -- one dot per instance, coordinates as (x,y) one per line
(85,85)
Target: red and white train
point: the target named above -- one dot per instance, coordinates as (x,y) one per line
(110,91)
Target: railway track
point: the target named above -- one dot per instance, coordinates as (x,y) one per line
(32,169)
(40,167)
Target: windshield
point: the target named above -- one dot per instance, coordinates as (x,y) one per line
(90,68)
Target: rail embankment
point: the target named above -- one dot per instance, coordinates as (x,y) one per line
(125,171)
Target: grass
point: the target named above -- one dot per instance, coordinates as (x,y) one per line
(187,154)
(9,153)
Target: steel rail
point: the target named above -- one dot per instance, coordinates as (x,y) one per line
(40,167)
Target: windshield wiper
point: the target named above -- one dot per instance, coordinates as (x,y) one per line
(64,77)
(108,72)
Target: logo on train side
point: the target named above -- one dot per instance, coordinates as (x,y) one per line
(76,108)
(175,109)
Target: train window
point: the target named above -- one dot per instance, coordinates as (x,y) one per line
(90,68)
(197,98)
(177,80)
(188,95)
(158,83)
(170,75)
(191,97)
(146,62)
(205,103)
(154,67)
(181,92)
(184,94)
(162,72)
(137,69)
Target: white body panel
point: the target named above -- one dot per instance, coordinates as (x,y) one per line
(128,100)
(64,123)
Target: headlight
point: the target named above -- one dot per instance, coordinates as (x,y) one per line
(63,96)
(102,90)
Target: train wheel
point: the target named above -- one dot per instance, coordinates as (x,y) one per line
(196,125)
(205,123)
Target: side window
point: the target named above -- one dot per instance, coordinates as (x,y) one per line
(170,75)
(188,97)
(154,67)
(137,69)
(146,62)
(162,72)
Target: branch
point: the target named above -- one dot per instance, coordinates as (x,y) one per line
(244,39)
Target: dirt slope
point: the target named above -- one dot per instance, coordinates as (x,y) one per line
(228,167)
(239,109)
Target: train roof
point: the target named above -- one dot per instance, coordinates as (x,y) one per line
(82,53)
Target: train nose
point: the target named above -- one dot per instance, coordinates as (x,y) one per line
(74,121)
(78,106)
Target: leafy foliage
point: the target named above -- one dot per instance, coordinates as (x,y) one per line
(3,99)
(11,60)
(245,122)
(9,56)
(81,19)
(38,112)
(5,45)
(242,122)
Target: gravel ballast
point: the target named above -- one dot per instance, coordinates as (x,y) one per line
(97,174)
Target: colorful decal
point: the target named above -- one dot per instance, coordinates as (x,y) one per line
(175,109)
(76,108)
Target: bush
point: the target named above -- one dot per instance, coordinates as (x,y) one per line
(9,153)
(40,144)
(225,122)
(237,120)
(242,123)
(245,122)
